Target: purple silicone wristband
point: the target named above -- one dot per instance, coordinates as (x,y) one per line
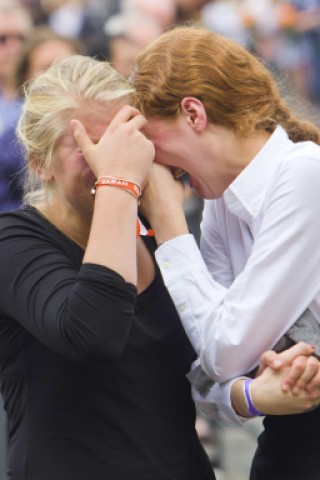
(251,408)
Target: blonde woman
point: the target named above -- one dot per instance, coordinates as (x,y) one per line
(93,357)
(215,112)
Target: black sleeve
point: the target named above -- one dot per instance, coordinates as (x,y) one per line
(83,313)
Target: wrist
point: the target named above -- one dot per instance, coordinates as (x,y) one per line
(248,389)
(129,186)
(242,400)
(238,401)
(169,226)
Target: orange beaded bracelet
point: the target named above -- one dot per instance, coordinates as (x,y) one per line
(131,187)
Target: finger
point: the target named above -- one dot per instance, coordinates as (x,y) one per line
(301,348)
(123,115)
(80,135)
(310,371)
(296,369)
(270,359)
(314,384)
(138,121)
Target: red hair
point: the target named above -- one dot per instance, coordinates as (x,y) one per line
(235,88)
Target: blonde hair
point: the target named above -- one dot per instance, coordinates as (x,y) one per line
(235,88)
(73,85)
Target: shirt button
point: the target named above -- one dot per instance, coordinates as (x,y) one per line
(254,209)
(166,265)
(182,307)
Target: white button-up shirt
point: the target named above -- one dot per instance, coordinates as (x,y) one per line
(260,263)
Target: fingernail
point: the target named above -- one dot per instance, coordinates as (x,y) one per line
(277,363)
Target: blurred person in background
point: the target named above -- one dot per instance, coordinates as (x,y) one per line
(139,22)
(127,33)
(293,55)
(307,26)
(65,17)
(15,27)
(41,49)
(225,18)
(95,16)
(163,11)
(283,33)
(36,10)
(189,9)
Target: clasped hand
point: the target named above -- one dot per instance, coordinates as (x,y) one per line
(291,379)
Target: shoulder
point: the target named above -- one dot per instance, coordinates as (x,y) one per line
(20,219)
(25,228)
(302,157)
(299,170)
(26,236)
(295,184)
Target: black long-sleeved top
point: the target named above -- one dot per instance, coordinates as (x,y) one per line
(92,375)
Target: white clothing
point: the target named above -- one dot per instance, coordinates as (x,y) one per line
(261,260)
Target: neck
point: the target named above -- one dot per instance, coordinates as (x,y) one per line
(68,221)
(236,152)
(8,89)
(250,147)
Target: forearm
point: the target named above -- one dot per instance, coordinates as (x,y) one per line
(112,240)
(168,224)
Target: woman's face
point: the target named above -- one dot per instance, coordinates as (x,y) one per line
(46,53)
(180,146)
(71,174)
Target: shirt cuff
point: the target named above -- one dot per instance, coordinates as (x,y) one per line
(177,256)
(216,404)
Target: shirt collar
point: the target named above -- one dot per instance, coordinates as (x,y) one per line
(245,195)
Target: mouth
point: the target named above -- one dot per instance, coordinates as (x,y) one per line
(177,172)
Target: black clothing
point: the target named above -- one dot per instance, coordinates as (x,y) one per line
(92,375)
(288,448)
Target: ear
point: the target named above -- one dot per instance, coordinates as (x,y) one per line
(195,113)
(44,174)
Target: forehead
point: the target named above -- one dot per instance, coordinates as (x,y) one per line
(14,20)
(95,122)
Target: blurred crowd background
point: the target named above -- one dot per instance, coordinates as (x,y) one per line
(285,34)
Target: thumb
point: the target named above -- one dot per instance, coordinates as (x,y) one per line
(81,136)
(270,359)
